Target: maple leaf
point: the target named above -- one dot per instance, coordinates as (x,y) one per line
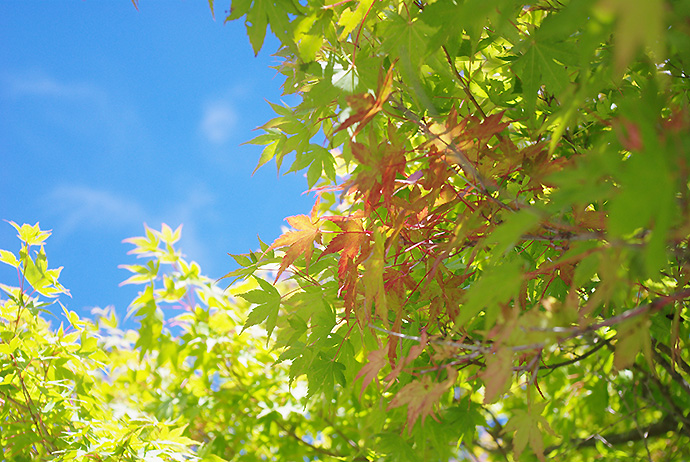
(348,243)
(365,107)
(383,164)
(640,24)
(632,336)
(394,164)
(538,66)
(413,354)
(374,292)
(489,126)
(300,242)
(267,301)
(376,361)
(525,425)
(361,106)
(353,245)
(450,130)
(421,396)
(591,219)
(497,375)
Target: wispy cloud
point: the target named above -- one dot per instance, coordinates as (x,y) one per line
(83,206)
(218,122)
(18,86)
(81,108)
(194,211)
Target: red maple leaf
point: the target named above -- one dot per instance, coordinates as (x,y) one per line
(348,243)
(354,245)
(490,126)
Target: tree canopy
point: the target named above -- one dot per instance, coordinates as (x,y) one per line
(496,266)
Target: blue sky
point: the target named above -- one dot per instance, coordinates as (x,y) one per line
(112,117)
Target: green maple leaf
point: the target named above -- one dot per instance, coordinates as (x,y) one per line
(323,374)
(538,66)
(395,448)
(262,13)
(528,426)
(267,301)
(451,18)
(633,337)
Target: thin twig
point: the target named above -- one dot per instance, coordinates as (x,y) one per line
(465,84)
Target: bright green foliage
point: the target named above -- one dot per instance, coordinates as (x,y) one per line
(189,385)
(56,401)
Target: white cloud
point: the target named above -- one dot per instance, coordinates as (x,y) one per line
(84,206)
(193,212)
(218,122)
(79,108)
(18,86)
(79,207)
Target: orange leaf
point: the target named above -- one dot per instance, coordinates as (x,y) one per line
(490,126)
(300,242)
(364,107)
(592,219)
(377,359)
(497,374)
(413,354)
(421,396)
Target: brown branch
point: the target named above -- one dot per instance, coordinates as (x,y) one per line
(349,440)
(653,307)
(33,410)
(495,434)
(564,237)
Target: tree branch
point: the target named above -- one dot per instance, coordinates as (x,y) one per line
(465,84)
(316,449)
(495,434)
(679,379)
(663,348)
(576,359)
(665,425)
(674,411)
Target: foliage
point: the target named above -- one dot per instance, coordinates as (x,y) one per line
(185,387)
(496,266)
